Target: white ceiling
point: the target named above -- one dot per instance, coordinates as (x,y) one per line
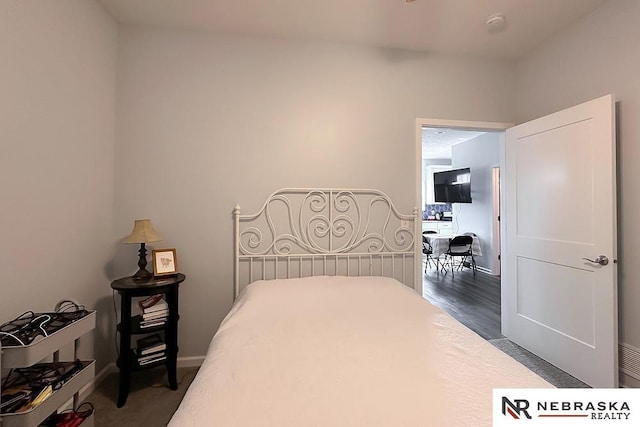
(437,142)
(445,26)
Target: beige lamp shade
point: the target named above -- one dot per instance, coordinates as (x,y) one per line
(143,232)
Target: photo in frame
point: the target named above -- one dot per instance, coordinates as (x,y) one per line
(165,262)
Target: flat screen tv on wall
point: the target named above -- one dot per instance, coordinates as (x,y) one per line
(452,186)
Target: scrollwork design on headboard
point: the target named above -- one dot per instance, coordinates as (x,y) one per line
(325,221)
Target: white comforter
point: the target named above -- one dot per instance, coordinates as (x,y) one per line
(336,351)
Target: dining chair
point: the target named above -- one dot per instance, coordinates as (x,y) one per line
(459,247)
(427,250)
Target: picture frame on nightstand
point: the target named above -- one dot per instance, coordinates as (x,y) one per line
(165,262)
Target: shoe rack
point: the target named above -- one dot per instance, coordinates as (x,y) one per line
(49,348)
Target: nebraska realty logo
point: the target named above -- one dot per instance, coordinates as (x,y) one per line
(517,409)
(532,407)
(594,410)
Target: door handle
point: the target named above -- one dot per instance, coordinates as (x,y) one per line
(602,260)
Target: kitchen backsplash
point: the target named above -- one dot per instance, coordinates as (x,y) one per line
(432,209)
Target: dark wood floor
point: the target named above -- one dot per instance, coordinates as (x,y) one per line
(473,301)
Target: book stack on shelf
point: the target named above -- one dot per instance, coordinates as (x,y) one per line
(150,349)
(154,311)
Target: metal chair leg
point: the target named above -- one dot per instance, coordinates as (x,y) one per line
(473,265)
(448,260)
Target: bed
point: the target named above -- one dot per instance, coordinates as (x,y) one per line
(327,330)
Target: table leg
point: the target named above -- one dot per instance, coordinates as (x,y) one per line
(124,359)
(172,337)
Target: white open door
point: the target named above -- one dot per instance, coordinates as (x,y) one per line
(560,209)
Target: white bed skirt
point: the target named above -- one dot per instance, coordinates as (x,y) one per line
(345,351)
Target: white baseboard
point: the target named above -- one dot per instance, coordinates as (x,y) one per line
(627,381)
(629,365)
(190,362)
(85,391)
(93,384)
(484,270)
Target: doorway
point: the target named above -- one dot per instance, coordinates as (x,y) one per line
(470,162)
(474,300)
(457,125)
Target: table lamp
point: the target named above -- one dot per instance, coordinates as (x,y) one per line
(143,232)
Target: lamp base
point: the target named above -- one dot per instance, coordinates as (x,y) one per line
(142,273)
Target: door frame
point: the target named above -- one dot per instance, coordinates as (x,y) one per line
(497,232)
(452,124)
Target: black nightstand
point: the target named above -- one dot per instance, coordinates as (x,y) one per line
(128,288)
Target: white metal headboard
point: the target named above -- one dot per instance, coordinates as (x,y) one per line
(309,232)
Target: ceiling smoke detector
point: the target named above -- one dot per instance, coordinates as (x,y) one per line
(495,23)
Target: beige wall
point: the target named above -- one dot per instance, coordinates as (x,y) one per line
(481,154)
(205,122)
(599,55)
(57,100)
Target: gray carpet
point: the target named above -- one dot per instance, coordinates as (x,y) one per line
(150,403)
(546,370)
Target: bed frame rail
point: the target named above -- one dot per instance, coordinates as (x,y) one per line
(309,232)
